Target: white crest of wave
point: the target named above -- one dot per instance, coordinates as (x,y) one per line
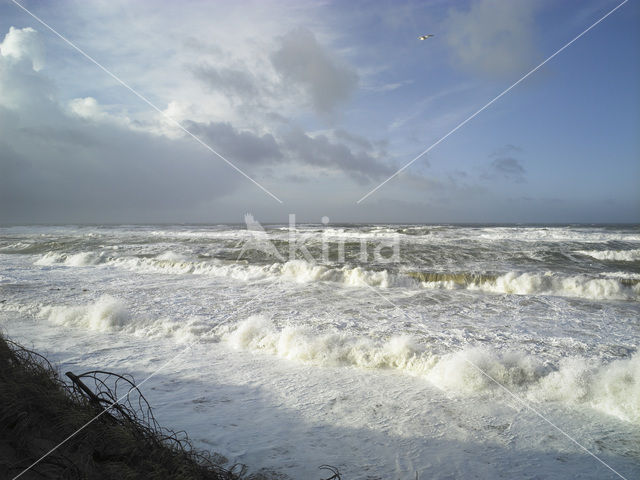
(614,255)
(305,272)
(549,284)
(171,256)
(613,388)
(106,313)
(169,262)
(71,260)
(475,370)
(335,348)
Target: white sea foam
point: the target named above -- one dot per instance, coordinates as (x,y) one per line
(547,283)
(606,287)
(15,247)
(475,370)
(107,313)
(330,348)
(612,388)
(80,259)
(613,255)
(624,275)
(551,234)
(299,271)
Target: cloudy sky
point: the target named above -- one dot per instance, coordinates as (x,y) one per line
(318,102)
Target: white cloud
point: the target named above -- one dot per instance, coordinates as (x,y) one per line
(23,43)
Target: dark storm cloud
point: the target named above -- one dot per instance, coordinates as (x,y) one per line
(61,136)
(302,61)
(242,146)
(319,151)
(131,175)
(56,166)
(74,161)
(295,147)
(352,139)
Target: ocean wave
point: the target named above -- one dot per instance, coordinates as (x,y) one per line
(613,255)
(17,247)
(110,314)
(107,313)
(169,262)
(604,287)
(335,348)
(612,388)
(547,283)
(555,234)
(80,259)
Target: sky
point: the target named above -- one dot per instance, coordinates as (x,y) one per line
(318,103)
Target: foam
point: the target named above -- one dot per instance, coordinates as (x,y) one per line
(330,348)
(613,255)
(111,314)
(476,370)
(299,271)
(547,283)
(607,287)
(557,234)
(105,314)
(613,388)
(81,259)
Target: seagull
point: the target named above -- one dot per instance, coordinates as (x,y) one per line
(424,37)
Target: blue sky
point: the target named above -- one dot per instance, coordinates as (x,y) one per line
(320,102)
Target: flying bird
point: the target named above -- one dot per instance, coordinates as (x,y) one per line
(424,37)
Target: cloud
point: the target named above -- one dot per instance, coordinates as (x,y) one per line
(242,146)
(230,81)
(352,139)
(57,166)
(505,150)
(508,167)
(320,151)
(303,62)
(492,37)
(23,44)
(505,165)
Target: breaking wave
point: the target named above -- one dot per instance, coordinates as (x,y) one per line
(547,283)
(172,263)
(612,388)
(613,255)
(71,260)
(107,313)
(605,287)
(110,314)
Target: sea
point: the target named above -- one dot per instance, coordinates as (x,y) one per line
(386,351)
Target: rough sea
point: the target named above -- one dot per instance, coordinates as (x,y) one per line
(387,351)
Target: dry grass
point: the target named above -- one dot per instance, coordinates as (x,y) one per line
(38,410)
